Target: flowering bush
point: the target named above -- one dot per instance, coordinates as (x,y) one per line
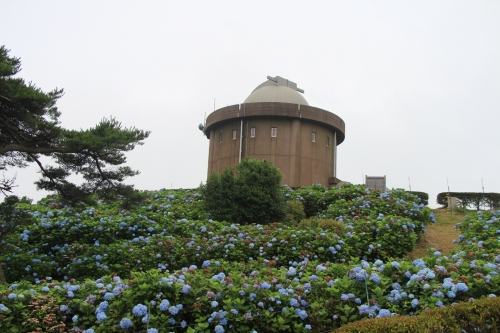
(167,266)
(172,232)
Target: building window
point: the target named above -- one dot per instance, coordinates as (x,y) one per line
(252,132)
(220,138)
(274,132)
(234,134)
(313,137)
(327,141)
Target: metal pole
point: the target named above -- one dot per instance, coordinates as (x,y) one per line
(335,154)
(449,197)
(482,185)
(241,139)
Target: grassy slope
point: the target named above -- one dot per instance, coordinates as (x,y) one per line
(441,234)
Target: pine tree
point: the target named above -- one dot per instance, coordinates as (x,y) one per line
(30,128)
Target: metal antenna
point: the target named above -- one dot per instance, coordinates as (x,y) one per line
(449,198)
(409,183)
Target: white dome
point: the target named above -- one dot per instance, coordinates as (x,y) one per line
(277,90)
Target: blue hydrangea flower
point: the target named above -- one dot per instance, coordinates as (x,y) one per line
(461,287)
(415,303)
(265,285)
(301,313)
(185,289)
(320,268)
(375,278)
(447,284)
(140,310)
(173,310)
(101,316)
(384,313)
(126,323)
(418,263)
(164,305)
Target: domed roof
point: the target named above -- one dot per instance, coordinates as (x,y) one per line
(277,89)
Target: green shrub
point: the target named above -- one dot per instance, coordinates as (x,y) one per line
(254,195)
(313,199)
(478,316)
(319,223)
(294,212)
(220,196)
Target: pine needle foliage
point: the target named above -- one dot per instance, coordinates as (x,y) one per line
(30,129)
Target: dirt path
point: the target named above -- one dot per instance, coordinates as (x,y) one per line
(440,235)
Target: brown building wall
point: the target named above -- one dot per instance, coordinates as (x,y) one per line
(302,161)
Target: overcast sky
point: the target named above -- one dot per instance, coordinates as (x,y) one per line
(416,82)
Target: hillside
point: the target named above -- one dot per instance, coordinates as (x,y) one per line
(441,234)
(165,266)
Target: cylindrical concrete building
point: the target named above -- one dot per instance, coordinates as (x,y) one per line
(277,124)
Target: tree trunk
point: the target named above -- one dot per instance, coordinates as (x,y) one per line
(2,275)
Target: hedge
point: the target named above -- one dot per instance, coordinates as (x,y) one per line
(481,315)
(471,199)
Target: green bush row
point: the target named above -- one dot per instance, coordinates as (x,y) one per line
(482,315)
(471,199)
